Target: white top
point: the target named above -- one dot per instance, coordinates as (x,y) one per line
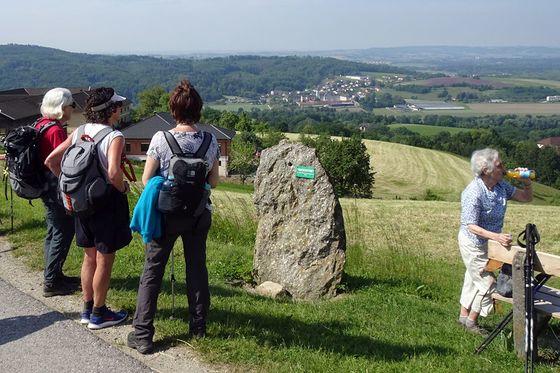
(92,129)
(189,142)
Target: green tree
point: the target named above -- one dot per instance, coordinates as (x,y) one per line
(243,160)
(346,163)
(151,100)
(228,120)
(271,138)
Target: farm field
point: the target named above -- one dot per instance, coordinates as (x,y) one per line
(516,108)
(481,109)
(456,113)
(427,130)
(523,82)
(235,107)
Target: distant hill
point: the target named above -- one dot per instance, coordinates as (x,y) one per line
(248,76)
(538,62)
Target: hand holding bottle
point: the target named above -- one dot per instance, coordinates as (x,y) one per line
(521,173)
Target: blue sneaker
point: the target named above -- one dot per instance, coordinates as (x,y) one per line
(106,319)
(85,315)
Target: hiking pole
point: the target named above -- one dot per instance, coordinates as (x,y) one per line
(12,208)
(172,284)
(531,239)
(494,333)
(541,279)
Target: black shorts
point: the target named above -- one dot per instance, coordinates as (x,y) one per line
(108,229)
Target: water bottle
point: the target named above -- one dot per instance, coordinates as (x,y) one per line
(167,184)
(165,198)
(527,174)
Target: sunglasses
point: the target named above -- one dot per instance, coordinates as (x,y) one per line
(73,104)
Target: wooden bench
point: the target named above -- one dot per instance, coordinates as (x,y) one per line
(547,299)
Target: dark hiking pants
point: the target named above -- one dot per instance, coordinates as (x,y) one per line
(60,231)
(193,232)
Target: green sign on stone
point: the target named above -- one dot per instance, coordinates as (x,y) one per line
(305,172)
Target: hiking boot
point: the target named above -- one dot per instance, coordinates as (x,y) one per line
(57,289)
(144,346)
(70,280)
(106,319)
(197,333)
(85,316)
(473,327)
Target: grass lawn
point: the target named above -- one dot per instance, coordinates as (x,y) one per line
(396,311)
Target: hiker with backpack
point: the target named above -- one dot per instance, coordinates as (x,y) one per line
(187,158)
(96,195)
(483,207)
(56,109)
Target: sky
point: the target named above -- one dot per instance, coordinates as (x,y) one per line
(237,26)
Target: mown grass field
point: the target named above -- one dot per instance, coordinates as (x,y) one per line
(398,300)
(408,172)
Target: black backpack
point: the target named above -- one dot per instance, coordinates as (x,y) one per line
(185,191)
(82,183)
(23,164)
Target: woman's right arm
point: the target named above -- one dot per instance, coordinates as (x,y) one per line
(213,175)
(54,159)
(150,169)
(503,238)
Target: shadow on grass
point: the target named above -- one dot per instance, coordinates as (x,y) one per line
(286,332)
(30,224)
(131,284)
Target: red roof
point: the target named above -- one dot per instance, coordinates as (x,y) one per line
(550,141)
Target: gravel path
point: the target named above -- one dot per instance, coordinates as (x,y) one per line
(40,334)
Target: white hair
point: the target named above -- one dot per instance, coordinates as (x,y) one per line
(54,101)
(484,160)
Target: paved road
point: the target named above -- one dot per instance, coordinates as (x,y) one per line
(34,338)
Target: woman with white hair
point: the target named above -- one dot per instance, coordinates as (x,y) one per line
(56,109)
(483,207)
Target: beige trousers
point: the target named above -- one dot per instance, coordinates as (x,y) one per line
(479,284)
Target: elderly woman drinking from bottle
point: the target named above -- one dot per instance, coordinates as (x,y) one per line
(483,207)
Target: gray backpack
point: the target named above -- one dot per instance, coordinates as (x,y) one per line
(82,184)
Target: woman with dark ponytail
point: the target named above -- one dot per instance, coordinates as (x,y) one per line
(185,104)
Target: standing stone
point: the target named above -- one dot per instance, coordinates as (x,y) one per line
(300,240)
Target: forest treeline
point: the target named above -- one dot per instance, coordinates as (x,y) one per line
(246,76)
